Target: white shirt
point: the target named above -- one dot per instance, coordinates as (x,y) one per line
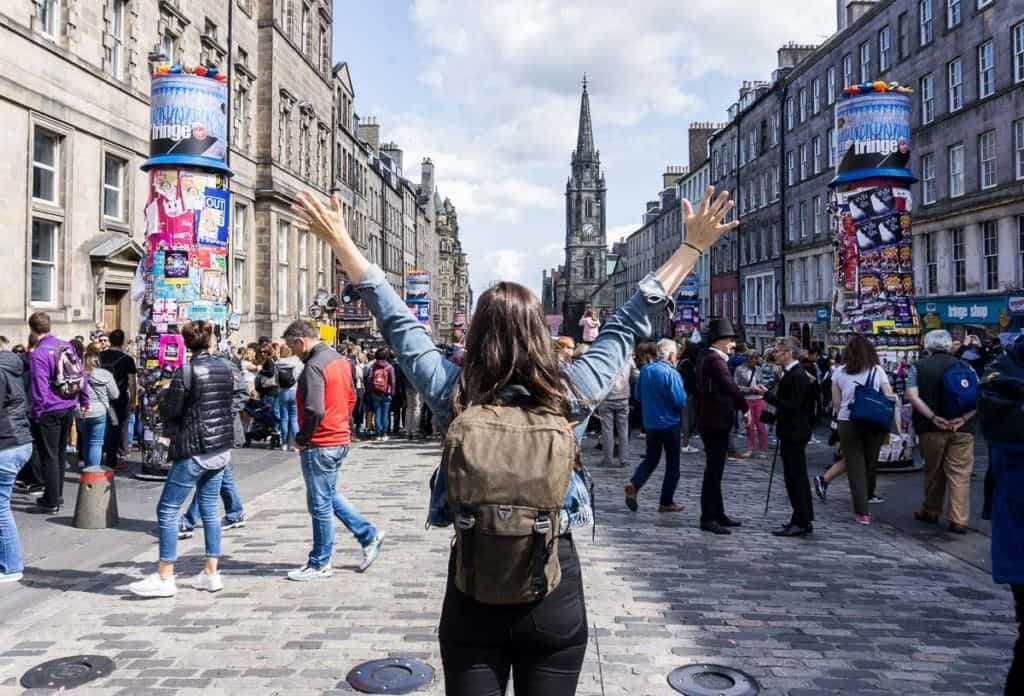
(789,367)
(724,356)
(847,385)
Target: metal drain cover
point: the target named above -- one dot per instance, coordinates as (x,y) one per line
(394,675)
(67,672)
(712,680)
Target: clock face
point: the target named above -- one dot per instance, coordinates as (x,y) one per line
(588,230)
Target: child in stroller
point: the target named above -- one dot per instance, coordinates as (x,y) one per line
(262,423)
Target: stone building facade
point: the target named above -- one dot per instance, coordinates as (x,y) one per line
(77,133)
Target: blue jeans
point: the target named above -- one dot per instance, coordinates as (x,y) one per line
(657,440)
(287,414)
(228,493)
(185,475)
(381,404)
(320,467)
(272,402)
(11,461)
(91,432)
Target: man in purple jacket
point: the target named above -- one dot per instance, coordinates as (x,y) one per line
(51,413)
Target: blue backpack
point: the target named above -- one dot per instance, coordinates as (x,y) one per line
(959,390)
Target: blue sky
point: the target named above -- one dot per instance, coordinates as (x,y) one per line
(490,91)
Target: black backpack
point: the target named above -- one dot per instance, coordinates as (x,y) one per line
(285,375)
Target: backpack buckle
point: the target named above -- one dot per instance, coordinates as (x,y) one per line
(542,525)
(465,521)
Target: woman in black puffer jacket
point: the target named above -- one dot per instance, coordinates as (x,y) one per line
(15,451)
(197,410)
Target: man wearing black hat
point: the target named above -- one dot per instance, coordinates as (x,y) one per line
(719,398)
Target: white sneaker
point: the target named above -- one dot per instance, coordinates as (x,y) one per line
(689,449)
(209,583)
(154,586)
(371,551)
(10,577)
(306,573)
(385,438)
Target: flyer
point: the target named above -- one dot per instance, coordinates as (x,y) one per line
(214,218)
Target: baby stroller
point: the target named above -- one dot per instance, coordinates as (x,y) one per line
(261,427)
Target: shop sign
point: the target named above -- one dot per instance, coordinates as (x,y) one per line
(821,315)
(1016,304)
(980,311)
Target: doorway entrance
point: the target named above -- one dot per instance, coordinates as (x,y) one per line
(113,302)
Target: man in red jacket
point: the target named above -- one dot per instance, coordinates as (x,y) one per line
(719,398)
(325,399)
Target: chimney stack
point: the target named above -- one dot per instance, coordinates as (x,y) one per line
(369,132)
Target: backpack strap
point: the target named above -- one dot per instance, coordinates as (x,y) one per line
(466,521)
(541,553)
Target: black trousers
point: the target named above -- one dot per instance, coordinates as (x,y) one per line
(54,429)
(798,486)
(112,436)
(541,644)
(716,449)
(657,440)
(1015,679)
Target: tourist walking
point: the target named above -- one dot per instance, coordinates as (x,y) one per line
(288,368)
(197,411)
(944,392)
(860,441)
(58,386)
(794,400)
(15,452)
(380,386)
(614,415)
(720,398)
(1000,414)
(660,391)
(748,378)
(688,371)
(93,422)
(510,370)
(326,399)
(121,365)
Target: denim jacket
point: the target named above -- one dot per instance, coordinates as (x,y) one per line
(591,376)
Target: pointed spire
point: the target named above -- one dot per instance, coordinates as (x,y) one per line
(585,139)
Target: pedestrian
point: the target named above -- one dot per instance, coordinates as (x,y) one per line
(58,385)
(720,398)
(748,378)
(688,371)
(121,365)
(289,369)
(660,390)
(396,416)
(860,441)
(1000,414)
(93,422)
(414,403)
(197,411)
(614,415)
(794,400)
(359,412)
(943,392)
(590,325)
(15,452)
(974,352)
(510,369)
(380,378)
(325,400)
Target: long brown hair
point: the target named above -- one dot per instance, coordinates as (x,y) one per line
(860,355)
(509,343)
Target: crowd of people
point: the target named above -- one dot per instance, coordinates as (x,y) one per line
(508,484)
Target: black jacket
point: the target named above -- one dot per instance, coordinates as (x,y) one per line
(793,399)
(14,429)
(199,418)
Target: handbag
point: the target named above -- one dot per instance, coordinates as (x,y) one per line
(871,408)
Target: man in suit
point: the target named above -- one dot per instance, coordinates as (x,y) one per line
(719,398)
(794,401)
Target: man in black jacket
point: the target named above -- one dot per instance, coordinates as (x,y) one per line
(794,403)
(197,408)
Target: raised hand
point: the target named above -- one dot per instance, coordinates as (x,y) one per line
(328,223)
(704,225)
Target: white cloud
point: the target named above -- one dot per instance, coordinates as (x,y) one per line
(505,81)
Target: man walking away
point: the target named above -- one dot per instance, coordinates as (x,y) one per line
(662,397)
(325,399)
(720,398)
(794,402)
(380,385)
(57,384)
(688,371)
(944,392)
(120,364)
(614,415)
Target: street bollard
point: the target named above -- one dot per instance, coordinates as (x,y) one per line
(96,507)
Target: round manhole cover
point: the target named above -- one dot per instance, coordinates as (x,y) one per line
(67,672)
(712,680)
(395,675)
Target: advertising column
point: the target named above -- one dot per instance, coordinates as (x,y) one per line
(184,274)
(871,211)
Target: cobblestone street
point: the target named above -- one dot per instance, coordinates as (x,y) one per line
(852,610)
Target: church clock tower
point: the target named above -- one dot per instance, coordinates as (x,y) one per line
(586,244)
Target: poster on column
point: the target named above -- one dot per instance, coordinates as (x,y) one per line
(214,219)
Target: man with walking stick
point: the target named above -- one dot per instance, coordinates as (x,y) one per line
(794,404)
